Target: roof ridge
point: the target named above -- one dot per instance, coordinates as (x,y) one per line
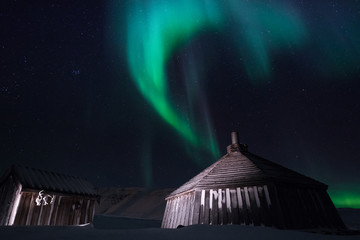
(274,164)
(206,171)
(256,165)
(212,169)
(237,159)
(207,174)
(243,168)
(212,166)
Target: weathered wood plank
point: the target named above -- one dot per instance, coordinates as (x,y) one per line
(223,211)
(53,211)
(265,213)
(180,210)
(191,213)
(176,214)
(214,218)
(66,211)
(92,209)
(228,206)
(183,208)
(5,198)
(31,209)
(173,212)
(26,208)
(207,208)
(267,195)
(87,218)
(235,218)
(35,214)
(45,215)
(61,212)
(220,207)
(211,221)
(275,208)
(196,213)
(39,221)
(10,191)
(83,210)
(80,201)
(240,206)
(21,210)
(165,217)
(188,209)
(15,206)
(255,213)
(202,207)
(283,203)
(247,206)
(257,200)
(76,211)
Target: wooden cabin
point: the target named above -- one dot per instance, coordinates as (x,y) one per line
(30,196)
(242,188)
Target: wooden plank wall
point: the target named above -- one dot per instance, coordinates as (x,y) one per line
(246,205)
(268,205)
(7,199)
(179,211)
(66,210)
(307,208)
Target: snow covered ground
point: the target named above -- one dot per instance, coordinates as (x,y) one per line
(351,217)
(228,232)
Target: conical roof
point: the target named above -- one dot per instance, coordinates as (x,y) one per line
(241,168)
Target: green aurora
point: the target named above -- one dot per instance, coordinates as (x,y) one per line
(157,29)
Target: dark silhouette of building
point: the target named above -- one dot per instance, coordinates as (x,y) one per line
(242,188)
(30,196)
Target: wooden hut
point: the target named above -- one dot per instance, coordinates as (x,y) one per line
(242,188)
(30,196)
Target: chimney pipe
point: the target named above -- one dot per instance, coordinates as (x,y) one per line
(234,138)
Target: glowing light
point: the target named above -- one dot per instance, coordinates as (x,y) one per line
(345,198)
(41,199)
(156,29)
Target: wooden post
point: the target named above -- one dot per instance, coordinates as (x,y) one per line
(15,206)
(31,209)
(234,207)
(220,209)
(276,208)
(165,217)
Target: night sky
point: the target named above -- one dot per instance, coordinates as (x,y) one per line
(146,93)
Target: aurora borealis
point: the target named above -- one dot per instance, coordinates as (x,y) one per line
(146,93)
(157,28)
